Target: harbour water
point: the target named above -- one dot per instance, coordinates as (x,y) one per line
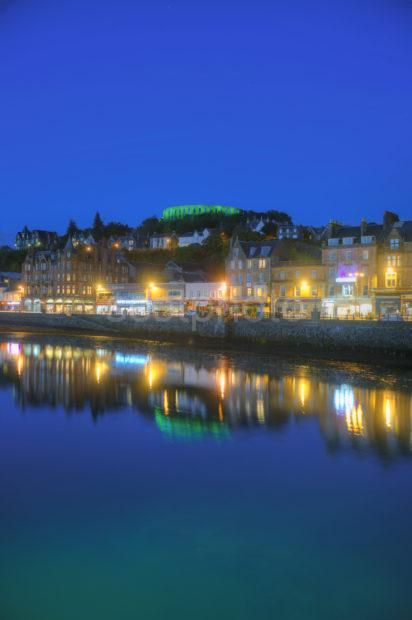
(141,481)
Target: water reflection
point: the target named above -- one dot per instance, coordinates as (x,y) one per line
(191,400)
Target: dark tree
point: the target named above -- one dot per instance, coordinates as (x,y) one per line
(150,225)
(98,227)
(72,228)
(116,229)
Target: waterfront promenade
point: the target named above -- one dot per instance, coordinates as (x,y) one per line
(354,340)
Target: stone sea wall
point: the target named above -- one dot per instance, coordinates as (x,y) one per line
(388,338)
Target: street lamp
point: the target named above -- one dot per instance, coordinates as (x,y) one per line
(304,286)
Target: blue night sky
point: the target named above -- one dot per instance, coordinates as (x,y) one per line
(131,106)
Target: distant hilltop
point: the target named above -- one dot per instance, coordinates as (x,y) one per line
(175,213)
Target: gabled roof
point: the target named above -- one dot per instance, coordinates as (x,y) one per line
(259,249)
(404,229)
(356,232)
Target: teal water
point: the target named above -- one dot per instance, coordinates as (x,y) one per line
(154,482)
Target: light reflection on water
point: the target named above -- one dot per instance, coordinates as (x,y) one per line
(191,399)
(146,481)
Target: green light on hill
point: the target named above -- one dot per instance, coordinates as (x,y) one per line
(175,213)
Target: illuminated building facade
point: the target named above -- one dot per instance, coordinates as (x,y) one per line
(297,289)
(248,275)
(68,280)
(369,270)
(252,266)
(393,294)
(350,257)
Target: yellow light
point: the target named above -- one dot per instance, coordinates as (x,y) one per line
(220,411)
(151,375)
(20,364)
(165,403)
(100,369)
(388,413)
(302,392)
(221,379)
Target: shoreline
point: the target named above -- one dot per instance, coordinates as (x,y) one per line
(285,343)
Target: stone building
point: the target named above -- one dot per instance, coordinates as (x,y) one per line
(250,268)
(393,292)
(297,288)
(67,280)
(350,257)
(369,269)
(248,274)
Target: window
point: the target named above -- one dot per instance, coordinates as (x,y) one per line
(262,263)
(249,264)
(249,292)
(347,240)
(331,291)
(365,255)
(333,241)
(394,243)
(348,255)
(259,292)
(366,239)
(297,291)
(314,291)
(240,264)
(331,257)
(261,278)
(365,290)
(248,278)
(282,275)
(390,279)
(232,264)
(240,278)
(347,290)
(297,274)
(314,274)
(282,291)
(393,260)
(332,272)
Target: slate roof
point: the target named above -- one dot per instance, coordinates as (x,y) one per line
(405,229)
(369,229)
